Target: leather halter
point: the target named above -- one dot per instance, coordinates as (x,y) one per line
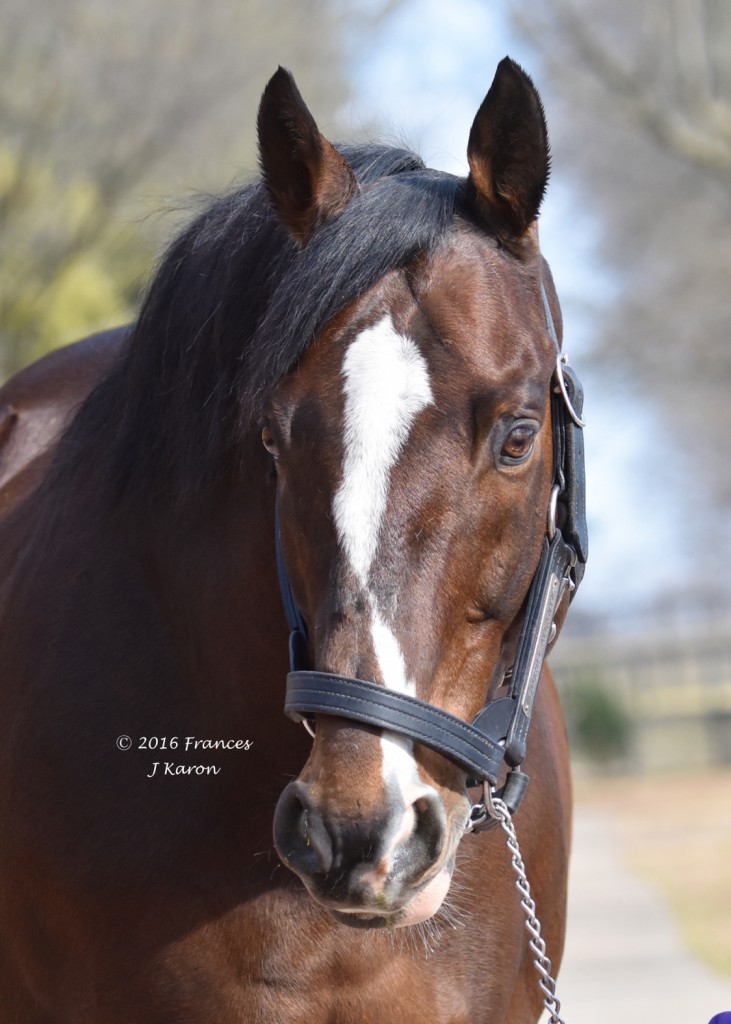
(498,733)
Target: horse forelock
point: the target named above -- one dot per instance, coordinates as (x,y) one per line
(382,229)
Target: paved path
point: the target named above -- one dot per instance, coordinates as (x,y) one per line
(624,963)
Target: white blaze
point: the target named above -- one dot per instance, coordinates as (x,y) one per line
(386,387)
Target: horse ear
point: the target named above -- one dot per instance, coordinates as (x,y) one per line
(508,152)
(308,181)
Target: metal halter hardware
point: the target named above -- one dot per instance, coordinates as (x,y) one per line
(498,734)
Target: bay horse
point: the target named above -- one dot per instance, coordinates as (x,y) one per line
(387,332)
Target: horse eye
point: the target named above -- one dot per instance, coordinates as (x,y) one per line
(518,445)
(269,441)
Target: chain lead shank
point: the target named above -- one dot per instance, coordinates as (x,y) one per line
(498,810)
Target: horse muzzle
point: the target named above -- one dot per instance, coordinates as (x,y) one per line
(387,869)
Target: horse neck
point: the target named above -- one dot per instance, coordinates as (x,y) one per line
(215,574)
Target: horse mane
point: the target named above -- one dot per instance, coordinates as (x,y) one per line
(233,306)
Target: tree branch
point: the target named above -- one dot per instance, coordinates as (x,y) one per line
(690,128)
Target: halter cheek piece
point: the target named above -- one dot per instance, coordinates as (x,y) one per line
(497,735)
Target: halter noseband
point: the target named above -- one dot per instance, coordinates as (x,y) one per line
(498,733)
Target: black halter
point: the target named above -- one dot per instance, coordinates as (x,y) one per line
(498,733)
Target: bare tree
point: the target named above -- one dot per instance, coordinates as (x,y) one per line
(665,62)
(641,112)
(103,102)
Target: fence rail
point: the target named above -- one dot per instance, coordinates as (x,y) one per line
(673,683)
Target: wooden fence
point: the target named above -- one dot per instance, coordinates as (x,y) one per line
(673,681)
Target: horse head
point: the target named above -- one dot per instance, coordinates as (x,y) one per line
(414,457)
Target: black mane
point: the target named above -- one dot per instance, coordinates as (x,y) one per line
(232,308)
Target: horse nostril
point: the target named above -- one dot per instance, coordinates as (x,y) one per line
(429,826)
(300,836)
(420,842)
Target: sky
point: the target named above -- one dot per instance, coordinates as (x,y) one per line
(424,82)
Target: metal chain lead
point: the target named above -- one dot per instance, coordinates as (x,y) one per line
(497,809)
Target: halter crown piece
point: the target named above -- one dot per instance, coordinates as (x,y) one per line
(498,734)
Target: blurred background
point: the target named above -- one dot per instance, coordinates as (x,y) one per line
(117,120)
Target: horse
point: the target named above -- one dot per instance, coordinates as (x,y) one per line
(327,449)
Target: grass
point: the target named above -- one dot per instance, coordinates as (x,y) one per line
(676,833)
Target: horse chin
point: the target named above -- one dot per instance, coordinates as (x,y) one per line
(424,905)
(427,901)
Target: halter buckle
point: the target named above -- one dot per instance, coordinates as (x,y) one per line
(561,361)
(480,812)
(486,814)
